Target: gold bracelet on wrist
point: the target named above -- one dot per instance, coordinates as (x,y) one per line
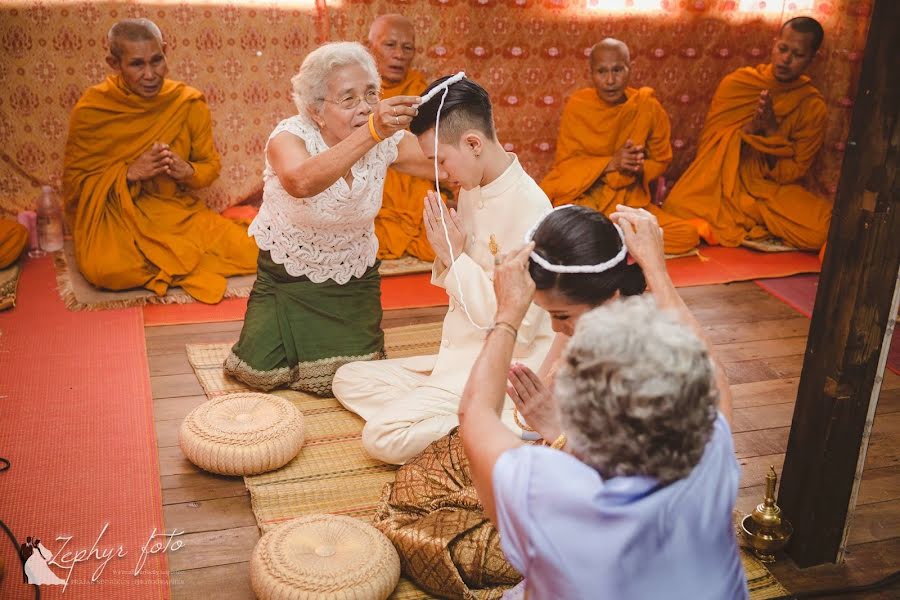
(372,130)
(560,442)
(519,422)
(507,327)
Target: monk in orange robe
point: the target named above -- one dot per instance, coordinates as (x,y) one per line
(399,225)
(138,143)
(13,239)
(613,141)
(763,130)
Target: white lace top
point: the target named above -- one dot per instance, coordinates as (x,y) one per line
(332,234)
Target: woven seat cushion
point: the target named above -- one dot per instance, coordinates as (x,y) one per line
(242,434)
(324,556)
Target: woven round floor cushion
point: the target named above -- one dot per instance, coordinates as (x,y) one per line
(324,556)
(242,434)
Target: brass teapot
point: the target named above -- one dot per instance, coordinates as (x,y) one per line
(765,529)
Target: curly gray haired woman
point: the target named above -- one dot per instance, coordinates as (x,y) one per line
(635,392)
(634,498)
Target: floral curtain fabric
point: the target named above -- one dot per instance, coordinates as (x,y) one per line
(529,54)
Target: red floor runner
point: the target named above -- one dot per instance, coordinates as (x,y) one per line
(725,265)
(799,292)
(397,291)
(77,426)
(715,265)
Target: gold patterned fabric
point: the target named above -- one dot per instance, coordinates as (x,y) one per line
(447,544)
(9,280)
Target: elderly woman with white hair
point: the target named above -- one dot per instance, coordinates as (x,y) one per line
(316,303)
(634,498)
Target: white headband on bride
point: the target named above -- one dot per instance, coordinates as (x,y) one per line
(600,268)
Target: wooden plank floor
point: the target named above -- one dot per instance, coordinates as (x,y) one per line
(760,340)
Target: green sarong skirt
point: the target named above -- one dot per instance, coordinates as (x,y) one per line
(297,333)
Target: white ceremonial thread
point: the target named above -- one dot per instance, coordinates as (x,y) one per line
(445,87)
(600,268)
(437,172)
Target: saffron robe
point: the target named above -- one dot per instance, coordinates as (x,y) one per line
(730,184)
(399,224)
(150,233)
(13,239)
(590,133)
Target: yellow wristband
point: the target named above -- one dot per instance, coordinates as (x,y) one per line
(372,129)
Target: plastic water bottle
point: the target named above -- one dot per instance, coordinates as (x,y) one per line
(49,221)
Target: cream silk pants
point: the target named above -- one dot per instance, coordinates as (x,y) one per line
(403,413)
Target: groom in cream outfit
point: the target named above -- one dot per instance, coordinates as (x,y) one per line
(410,402)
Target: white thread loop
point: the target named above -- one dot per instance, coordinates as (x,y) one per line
(443,86)
(599,268)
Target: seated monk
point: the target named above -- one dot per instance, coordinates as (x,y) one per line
(613,141)
(763,130)
(13,239)
(138,143)
(399,225)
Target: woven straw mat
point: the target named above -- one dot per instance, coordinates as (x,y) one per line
(333,474)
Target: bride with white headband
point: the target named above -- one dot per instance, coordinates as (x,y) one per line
(634,497)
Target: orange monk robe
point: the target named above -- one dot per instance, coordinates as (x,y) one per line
(730,184)
(151,233)
(13,239)
(399,224)
(590,133)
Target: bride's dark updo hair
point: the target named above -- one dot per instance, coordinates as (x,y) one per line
(582,236)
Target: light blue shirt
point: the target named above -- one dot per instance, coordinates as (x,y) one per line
(574,535)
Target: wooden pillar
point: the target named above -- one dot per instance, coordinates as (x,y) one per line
(854,313)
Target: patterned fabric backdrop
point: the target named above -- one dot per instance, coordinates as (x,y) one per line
(529,54)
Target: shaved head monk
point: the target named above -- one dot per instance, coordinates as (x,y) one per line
(613,141)
(399,226)
(763,130)
(138,144)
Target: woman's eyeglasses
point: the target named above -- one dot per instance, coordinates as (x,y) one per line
(371,97)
